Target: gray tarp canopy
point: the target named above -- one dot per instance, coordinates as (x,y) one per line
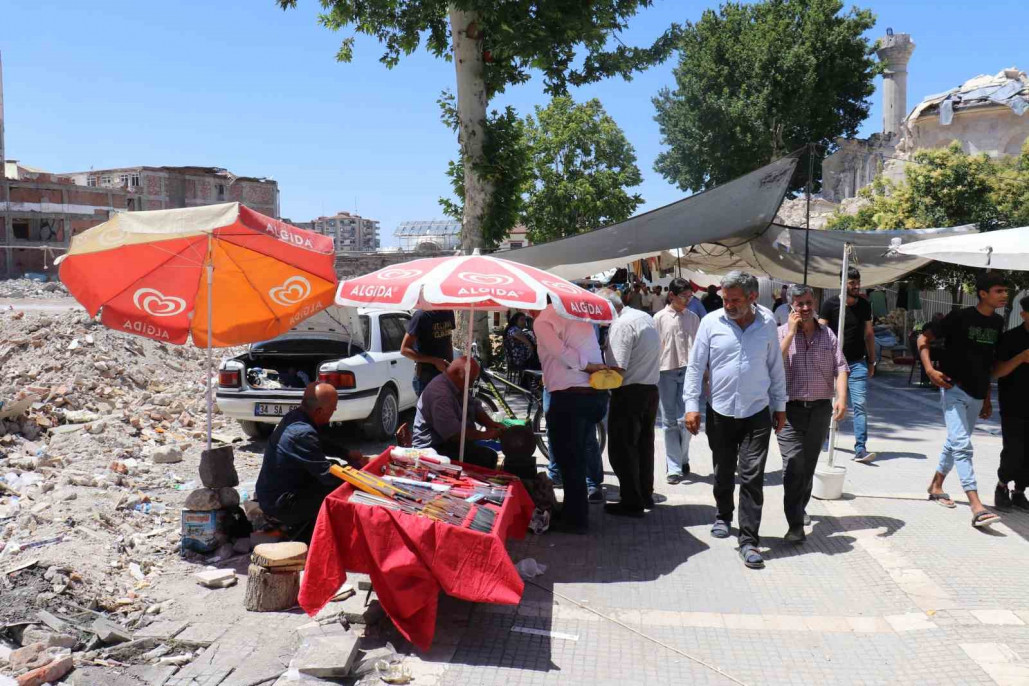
(731,227)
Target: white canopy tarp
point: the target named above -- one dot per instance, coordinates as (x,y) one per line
(731,227)
(1003,249)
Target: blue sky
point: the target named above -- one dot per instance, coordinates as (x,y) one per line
(243,85)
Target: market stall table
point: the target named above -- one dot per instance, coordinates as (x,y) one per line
(411,558)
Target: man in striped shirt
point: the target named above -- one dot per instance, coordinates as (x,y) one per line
(814,367)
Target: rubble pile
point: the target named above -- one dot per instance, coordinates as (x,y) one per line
(100,441)
(29,288)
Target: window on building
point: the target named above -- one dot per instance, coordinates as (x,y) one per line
(516,244)
(220,190)
(123,180)
(134,180)
(21,229)
(91,181)
(105,180)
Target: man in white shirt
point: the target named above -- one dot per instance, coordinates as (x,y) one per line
(634,349)
(569,353)
(677,327)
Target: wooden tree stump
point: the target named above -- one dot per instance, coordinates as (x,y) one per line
(269,591)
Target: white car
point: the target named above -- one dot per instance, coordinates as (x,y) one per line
(355,350)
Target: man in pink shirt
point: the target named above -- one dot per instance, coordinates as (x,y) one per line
(815,368)
(677,327)
(569,353)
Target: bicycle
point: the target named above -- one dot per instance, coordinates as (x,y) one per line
(486,391)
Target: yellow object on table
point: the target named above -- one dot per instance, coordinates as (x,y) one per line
(605,379)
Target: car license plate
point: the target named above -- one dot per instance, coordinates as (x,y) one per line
(272,409)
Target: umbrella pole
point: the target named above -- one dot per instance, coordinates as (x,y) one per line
(467,381)
(839,342)
(210,317)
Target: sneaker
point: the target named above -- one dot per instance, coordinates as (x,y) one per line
(596,495)
(673,479)
(863,456)
(795,535)
(720,529)
(648,502)
(1002,499)
(1019,501)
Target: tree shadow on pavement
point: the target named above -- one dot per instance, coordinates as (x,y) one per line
(616,550)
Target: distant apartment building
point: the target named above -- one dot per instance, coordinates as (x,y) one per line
(351,232)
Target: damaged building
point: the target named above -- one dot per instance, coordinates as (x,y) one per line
(985,114)
(40,211)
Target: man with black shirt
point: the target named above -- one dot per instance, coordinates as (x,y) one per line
(858,349)
(1012,368)
(970,338)
(429,342)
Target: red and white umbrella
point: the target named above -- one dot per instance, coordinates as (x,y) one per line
(472,282)
(477,282)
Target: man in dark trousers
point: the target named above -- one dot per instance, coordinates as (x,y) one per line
(737,347)
(815,371)
(1012,368)
(429,341)
(294,478)
(970,338)
(634,350)
(859,349)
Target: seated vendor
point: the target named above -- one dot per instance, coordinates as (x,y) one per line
(437,423)
(295,478)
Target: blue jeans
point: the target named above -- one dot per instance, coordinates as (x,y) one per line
(857,389)
(960,412)
(594,461)
(672,412)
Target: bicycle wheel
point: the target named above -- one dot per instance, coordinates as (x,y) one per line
(539,428)
(601,436)
(489,404)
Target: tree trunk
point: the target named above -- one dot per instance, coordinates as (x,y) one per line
(269,591)
(471,115)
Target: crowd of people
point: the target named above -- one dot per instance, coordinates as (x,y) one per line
(742,370)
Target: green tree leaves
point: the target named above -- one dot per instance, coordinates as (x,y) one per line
(948,187)
(757,81)
(582,164)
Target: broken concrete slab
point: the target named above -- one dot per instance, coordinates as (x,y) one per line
(162,630)
(202,500)
(169,454)
(216,578)
(108,632)
(326,656)
(202,633)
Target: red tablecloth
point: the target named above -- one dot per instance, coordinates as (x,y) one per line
(410,558)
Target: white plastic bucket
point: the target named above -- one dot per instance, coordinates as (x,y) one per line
(828,483)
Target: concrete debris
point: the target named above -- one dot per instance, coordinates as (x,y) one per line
(170,454)
(217,469)
(108,632)
(326,656)
(216,578)
(30,288)
(203,500)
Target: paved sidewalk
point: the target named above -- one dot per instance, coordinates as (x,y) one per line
(889,588)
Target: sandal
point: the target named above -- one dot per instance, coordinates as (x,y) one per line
(984,518)
(942,499)
(751,557)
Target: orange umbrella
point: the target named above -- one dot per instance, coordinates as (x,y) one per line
(223,274)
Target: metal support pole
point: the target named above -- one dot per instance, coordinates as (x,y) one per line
(839,342)
(467,381)
(210,318)
(807,224)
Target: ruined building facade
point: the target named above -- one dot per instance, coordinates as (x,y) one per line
(40,211)
(986,114)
